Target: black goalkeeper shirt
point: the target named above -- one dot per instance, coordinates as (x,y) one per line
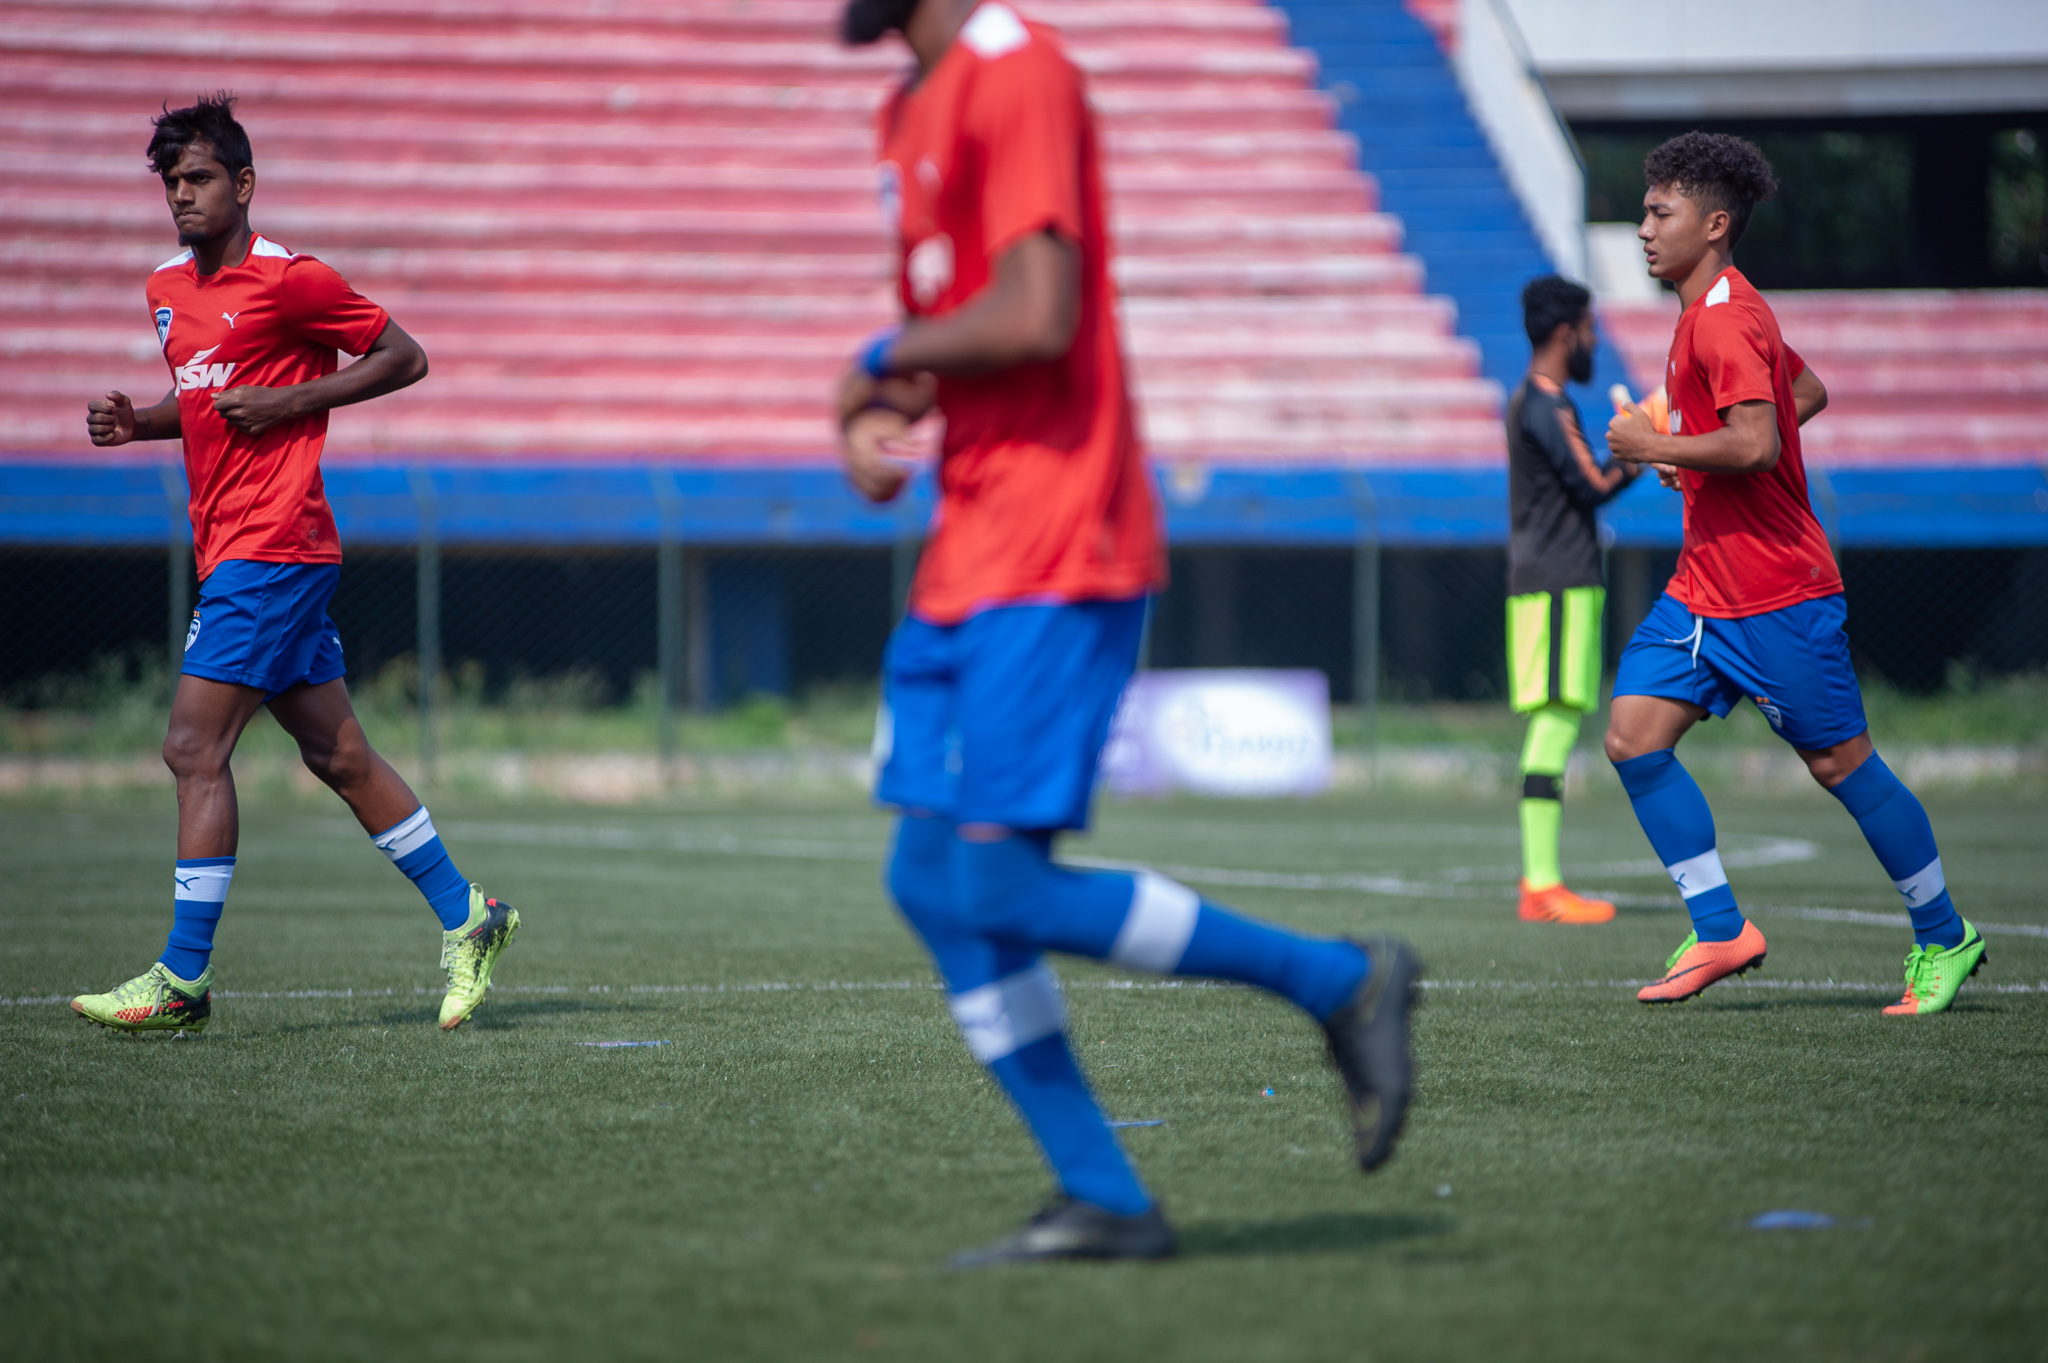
(1553,541)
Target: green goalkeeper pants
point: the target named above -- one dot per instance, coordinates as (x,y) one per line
(1554,678)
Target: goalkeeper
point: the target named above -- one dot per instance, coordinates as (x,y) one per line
(1556,592)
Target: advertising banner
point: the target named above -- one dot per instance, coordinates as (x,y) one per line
(1244,732)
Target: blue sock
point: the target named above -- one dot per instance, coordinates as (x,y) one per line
(1052,1096)
(1007,1005)
(201,892)
(1895,825)
(415,848)
(1674,814)
(1012,890)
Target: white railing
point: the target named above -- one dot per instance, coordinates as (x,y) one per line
(1521,123)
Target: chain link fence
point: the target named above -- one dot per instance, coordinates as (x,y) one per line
(678,628)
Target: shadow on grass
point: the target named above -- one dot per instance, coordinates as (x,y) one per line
(1322,1233)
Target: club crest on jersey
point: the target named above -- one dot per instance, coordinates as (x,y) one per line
(163,327)
(931,269)
(197,373)
(889,194)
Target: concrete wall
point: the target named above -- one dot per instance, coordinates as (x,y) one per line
(1666,59)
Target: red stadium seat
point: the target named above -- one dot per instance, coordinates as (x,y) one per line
(650,230)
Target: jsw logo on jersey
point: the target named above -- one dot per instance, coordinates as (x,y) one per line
(197,373)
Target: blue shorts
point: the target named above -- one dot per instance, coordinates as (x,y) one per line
(1001,718)
(265,625)
(1794,663)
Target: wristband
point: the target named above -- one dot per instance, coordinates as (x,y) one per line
(874,355)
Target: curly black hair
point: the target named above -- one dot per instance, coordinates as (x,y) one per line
(1715,171)
(212,121)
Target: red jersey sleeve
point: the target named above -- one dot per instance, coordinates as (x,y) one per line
(1028,116)
(319,305)
(1733,353)
(1794,366)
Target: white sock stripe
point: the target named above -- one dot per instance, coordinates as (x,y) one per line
(1006,1016)
(206,884)
(1697,875)
(408,837)
(1156,930)
(1924,886)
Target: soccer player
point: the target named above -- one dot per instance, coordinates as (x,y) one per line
(1024,620)
(1755,608)
(250,331)
(1556,591)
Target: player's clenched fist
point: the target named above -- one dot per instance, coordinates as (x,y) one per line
(875,417)
(253,410)
(110,420)
(1630,434)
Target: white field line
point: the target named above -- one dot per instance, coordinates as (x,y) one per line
(1453,883)
(891,986)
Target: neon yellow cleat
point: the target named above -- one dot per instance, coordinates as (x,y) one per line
(1934,974)
(469,954)
(154,1001)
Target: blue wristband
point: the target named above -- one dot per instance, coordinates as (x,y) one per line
(874,356)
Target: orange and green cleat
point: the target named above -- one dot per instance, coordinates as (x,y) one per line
(1697,964)
(1934,974)
(1556,904)
(154,1001)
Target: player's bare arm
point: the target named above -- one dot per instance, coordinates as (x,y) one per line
(115,420)
(1747,441)
(393,361)
(1028,312)
(1809,395)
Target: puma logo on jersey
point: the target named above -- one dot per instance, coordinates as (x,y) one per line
(230,317)
(197,373)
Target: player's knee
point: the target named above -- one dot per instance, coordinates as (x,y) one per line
(191,754)
(999,885)
(1621,746)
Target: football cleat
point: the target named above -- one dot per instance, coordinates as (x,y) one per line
(1369,1045)
(154,1001)
(1077,1230)
(1556,904)
(1934,974)
(469,954)
(1697,964)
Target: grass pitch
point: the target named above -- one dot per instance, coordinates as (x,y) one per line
(324,1175)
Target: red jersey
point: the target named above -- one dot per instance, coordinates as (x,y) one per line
(1043,489)
(276,319)
(1752,543)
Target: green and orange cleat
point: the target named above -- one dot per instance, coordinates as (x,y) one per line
(470,953)
(1697,964)
(1556,904)
(154,1001)
(1934,974)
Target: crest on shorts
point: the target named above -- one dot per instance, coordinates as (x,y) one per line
(163,327)
(192,632)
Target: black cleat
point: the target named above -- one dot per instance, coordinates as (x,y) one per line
(1369,1045)
(1076,1230)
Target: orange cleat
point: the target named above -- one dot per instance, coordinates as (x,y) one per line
(1697,964)
(1556,904)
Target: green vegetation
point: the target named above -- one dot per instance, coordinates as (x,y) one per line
(115,713)
(325,1176)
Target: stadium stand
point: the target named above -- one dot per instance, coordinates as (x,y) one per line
(648,228)
(1913,377)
